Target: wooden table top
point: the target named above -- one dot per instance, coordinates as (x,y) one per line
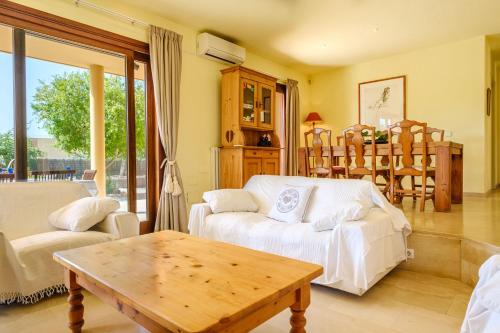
(186,283)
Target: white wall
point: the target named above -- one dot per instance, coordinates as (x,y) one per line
(445,88)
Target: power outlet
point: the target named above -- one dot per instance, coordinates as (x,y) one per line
(410,253)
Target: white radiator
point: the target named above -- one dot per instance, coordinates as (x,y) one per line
(214,167)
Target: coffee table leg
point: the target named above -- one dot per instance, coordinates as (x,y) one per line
(298,320)
(75,299)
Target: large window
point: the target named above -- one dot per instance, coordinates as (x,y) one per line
(67,112)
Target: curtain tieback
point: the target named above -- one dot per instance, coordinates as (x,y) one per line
(171,183)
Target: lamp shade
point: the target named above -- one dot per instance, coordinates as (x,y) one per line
(313,117)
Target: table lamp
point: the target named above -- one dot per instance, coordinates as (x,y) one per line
(313,118)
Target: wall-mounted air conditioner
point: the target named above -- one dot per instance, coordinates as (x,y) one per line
(218,49)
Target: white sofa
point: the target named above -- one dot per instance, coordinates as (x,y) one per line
(354,255)
(27,240)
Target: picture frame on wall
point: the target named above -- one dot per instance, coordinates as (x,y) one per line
(382,102)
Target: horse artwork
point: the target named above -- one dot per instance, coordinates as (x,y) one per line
(382,102)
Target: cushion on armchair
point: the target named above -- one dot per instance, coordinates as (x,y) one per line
(230,200)
(83,214)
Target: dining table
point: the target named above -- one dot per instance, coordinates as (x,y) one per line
(447,160)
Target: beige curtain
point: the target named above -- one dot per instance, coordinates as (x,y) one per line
(166,63)
(292,126)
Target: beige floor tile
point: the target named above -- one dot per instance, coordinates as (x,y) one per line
(394,305)
(419,320)
(459,306)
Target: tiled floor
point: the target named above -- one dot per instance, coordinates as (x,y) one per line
(402,302)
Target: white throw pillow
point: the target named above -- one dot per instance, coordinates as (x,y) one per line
(291,204)
(83,214)
(230,200)
(347,211)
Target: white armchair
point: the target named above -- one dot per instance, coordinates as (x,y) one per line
(27,240)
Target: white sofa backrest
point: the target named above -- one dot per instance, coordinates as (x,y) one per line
(326,195)
(25,206)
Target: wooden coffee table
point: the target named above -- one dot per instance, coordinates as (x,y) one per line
(173,282)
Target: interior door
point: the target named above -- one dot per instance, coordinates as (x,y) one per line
(251,167)
(270,166)
(248,103)
(266,106)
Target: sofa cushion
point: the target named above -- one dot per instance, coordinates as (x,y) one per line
(230,200)
(291,204)
(83,214)
(350,211)
(35,252)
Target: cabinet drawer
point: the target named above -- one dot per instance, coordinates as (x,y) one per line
(253,153)
(270,154)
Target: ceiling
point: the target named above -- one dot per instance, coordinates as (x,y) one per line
(314,34)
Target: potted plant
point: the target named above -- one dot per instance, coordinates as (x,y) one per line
(380,136)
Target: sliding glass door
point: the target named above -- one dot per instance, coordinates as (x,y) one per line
(74,115)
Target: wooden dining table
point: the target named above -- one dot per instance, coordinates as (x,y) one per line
(448,165)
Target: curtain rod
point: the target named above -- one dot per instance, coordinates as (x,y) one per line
(131,20)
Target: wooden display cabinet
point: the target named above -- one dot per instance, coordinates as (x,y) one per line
(248,112)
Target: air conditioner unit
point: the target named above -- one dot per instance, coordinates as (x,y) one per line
(218,49)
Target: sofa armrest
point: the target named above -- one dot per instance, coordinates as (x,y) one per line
(120,224)
(197,217)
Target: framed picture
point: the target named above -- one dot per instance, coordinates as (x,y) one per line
(382,102)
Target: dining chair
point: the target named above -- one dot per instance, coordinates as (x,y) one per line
(89,174)
(53,175)
(316,164)
(406,133)
(431,133)
(7,177)
(360,146)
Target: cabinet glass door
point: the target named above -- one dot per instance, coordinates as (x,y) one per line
(248,100)
(266,106)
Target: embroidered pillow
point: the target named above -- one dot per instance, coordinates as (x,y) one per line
(291,204)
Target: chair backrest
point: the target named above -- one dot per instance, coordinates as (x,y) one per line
(6,177)
(430,131)
(320,166)
(429,138)
(341,141)
(53,175)
(355,141)
(89,174)
(406,131)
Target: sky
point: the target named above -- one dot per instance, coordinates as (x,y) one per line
(36,70)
